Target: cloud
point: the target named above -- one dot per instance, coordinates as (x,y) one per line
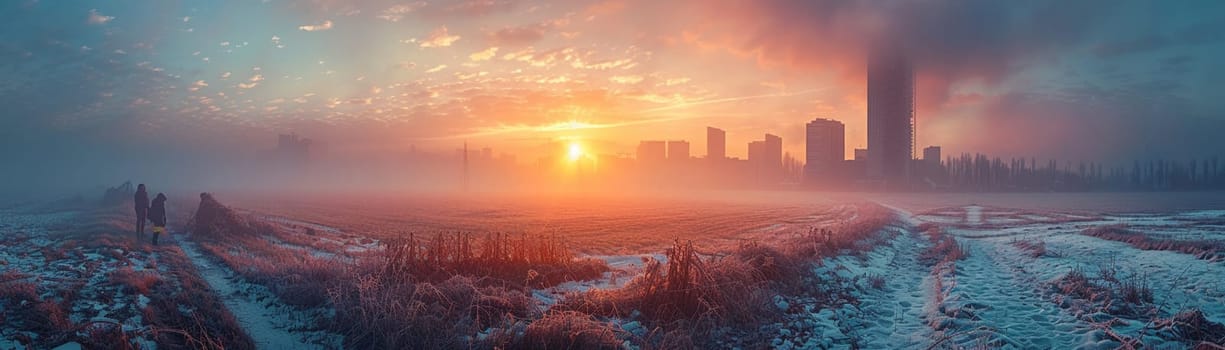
(626,79)
(96,17)
(253,82)
(484,55)
(471,8)
(519,36)
(439,38)
(399,11)
(437,68)
(327,24)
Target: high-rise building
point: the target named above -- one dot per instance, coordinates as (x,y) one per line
(652,151)
(757,153)
(931,154)
(825,148)
(891,114)
(716,143)
(773,152)
(678,150)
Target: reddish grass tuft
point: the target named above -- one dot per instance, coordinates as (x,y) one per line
(944,248)
(1202,249)
(376,313)
(536,262)
(138,282)
(705,294)
(569,330)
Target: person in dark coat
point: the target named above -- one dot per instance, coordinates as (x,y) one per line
(142,208)
(157,214)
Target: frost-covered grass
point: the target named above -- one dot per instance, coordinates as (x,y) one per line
(1211,250)
(84,276)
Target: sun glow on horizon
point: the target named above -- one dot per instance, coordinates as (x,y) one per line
(575,151)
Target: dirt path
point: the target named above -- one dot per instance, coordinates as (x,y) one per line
(266,323)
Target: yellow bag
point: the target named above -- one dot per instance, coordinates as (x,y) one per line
(159,229)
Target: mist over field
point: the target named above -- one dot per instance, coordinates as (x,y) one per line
(612,174)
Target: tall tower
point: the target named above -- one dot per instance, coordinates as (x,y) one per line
(465,166)
(825,148)
(891,116)
(716,144)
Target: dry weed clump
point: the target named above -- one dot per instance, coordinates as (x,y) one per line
(373,312)
(1129,297)
(944,248)
(820,242)
(138,282)
(1192,328)
(1202,249)
(569,330)
(1033,247)
(531,261)
(695,294)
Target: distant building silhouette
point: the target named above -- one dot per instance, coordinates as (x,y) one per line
(757,154)
(678,150)
(825,148)
(652,151)
(292,148)
(716,143)
(861,154)
(931,154)
(891,116)
(773,168)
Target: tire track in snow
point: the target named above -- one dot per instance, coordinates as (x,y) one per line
(994,286)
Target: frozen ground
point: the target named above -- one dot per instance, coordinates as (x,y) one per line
(1001,295)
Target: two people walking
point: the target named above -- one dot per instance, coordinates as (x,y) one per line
(154,212)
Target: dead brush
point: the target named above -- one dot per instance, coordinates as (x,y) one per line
(944,248)
(727,292)
(532,261)
(1202,249)
(1035,248)
(1191,327)
(132,281)
(819,242)
(372,312)
(569,330)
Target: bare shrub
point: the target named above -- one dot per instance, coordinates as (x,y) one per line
(1135,291)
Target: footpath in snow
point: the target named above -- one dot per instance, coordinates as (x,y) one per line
(270,324)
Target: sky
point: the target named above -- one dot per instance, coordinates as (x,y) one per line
(90,83)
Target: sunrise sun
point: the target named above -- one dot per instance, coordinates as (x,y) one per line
(575,151)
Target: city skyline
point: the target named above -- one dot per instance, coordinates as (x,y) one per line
(102,83)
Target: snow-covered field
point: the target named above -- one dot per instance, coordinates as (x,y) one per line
(1009,291)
